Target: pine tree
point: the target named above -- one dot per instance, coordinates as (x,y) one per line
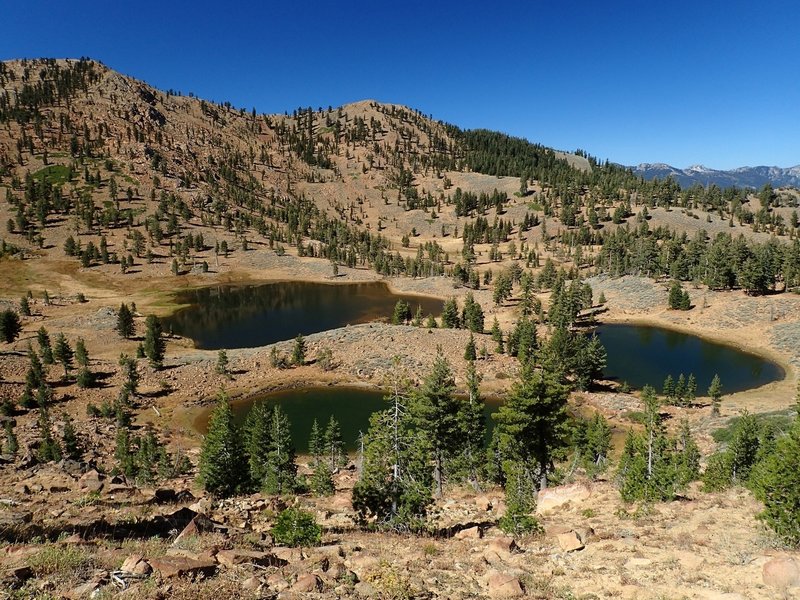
(395,482)
(520,492)
(281,472)
(434,411)
(688,457)
(680,390)
(691,389)
(450,318)
(402,313)
(49,448)
(124,321)
(470,353)
(70,440)
(81,355)
(45,350)
(222,466)
(531,424)
(321,479)
(11,443)
(598,443)
(24,307)
(472,314)
(334,445)
(130,373)
(497,337)
(154,344)
(472,428)
(715,393)
(222,363)
(779,486)
(63,353)
(430,322)
(257,441)
(299,350)
(9,326)
(668,389)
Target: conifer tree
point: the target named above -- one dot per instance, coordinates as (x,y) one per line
(124,321)
(531,424)
(520,496)
(49,448)
(779,486)
(9,326)
(257,441)
(34,377)
(715,393)
(130,373)
(691,389)
(222,363)
(154,344)
(81,355)
(222,465)
(45,350)
(472,428)
(395,482)
(688,457)
(321,479)
(472,314)
(470,353)
(434,411)
(11,444)
(70,440)
(281,470)
(497,336)
(402,313)
(299,350)
(333,445)
(63,353)
(450,318)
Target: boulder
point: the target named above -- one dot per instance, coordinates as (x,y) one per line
(178,566)
(198,525)
(137,565)
(503,585)
(91,481)
(307,583)
(470,533)
(549,499)
(570,541)
(231,558)
(86,590)
(781,572)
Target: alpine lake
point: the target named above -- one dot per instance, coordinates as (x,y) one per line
(256,315)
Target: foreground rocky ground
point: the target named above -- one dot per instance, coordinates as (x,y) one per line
(75,534)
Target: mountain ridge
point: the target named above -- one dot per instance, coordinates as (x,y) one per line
(743,177)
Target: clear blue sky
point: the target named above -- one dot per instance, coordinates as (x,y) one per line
(712,82)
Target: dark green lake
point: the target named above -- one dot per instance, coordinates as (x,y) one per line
(256,315)
(352,407)
(643,355)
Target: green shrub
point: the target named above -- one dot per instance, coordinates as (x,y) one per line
(296,527)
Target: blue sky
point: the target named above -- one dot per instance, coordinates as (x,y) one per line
(680,82)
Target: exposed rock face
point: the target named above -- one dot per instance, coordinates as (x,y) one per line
(503,585)
(556,497)
(782,572)
(307,583)
(178,566)
(231,558)
(570,541)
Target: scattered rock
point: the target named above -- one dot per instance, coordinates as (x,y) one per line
(137,565)
(307,583)
(570,542)
(781,572)
(178,566)
(231,558)
(86,590)
(503,585)
(251,584)
(91,481)
(551,498)
(470,533)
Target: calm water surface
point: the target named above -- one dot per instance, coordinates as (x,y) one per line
(643,355)
(256,315)
(352,407)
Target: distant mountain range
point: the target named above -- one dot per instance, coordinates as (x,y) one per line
(752,177)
